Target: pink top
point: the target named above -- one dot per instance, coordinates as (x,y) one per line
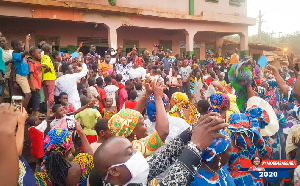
(123,96)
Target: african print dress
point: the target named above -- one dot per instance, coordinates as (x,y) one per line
(108,114)
(86,164)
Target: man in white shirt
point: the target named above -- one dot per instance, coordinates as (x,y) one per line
(111,90)
(68,83)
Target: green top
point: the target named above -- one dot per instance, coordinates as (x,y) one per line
(88,118)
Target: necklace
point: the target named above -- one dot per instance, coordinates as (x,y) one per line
(216,173)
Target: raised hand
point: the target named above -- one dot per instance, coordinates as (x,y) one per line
(8,119)
(207,130)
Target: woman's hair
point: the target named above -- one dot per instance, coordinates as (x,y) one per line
(101,125)
(32,50)
(57,168)
(253,158)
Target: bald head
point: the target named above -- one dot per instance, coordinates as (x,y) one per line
(113,151)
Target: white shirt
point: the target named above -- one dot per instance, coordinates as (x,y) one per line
(110,91)
(7,55)
(68,84)
(139,73)
(176,127)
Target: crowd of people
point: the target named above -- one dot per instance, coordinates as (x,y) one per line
(147,118)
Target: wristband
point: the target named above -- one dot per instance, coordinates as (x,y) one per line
(193,147)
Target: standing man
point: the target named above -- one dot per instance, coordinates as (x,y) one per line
(210,60)
(91,59)
(185,72)
(105,66)
(167,61)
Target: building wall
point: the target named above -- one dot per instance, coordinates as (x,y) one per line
(178,6)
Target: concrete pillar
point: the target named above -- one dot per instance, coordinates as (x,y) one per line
(112,37)
(202,51)
(244,45)
(219,45)
(189,41)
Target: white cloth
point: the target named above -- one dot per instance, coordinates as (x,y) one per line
(176,127)
(197,88)
(68,84)
(185,72)
(140,93)
(7,55)
(139,73)
(110,91)
(124,70)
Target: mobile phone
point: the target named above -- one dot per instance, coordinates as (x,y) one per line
(71,124)
(17,102)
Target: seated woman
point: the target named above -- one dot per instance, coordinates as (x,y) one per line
(213,169)
(57,169)
(181,107)
(130,124)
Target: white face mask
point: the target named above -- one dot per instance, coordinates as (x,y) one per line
(138,167)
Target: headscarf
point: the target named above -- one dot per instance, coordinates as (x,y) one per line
(245,129)
(292,140)
(58,140)
(218,101)
(151,108)
(182,102)
(218,146)
(124,122)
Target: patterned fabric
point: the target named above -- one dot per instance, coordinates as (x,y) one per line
(124,70)
(292,141)
(148,145)
(222,178)
(218,146)
(58,140)
(240,75)
(86,164)
(219,101)
(245,133)
(124,122)
(297,176)
(69,109)
(91,60)
(26,176)
(151,108)
(108,114)
(182,102)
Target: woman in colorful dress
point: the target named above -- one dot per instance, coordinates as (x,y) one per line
(213,170)
(129,123)
(57,170)
(181,107)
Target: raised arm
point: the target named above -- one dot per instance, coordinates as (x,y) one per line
(82,73)
(26,51)
(85,143)
(9,166)
(281,83)
(79,47)
(162,123)
(140,106)
(219,86)
(20,131)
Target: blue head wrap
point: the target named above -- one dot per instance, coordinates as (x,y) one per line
(217,147)
(151,108)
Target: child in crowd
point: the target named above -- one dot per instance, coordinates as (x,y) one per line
(131,103)
(202,107)
(68,107)
(185,72)
(123,94)
(102,94)
(109,110)
(100,74)
(81,87)
(111,90)
(119,78)
(48,73)
(103,133)
(221,79)
(140,90)
(59,116)
(88,119)
(92,91)
(21,67)
(35,79)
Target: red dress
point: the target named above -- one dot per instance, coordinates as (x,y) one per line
(130,104)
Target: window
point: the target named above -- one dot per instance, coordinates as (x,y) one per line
(167,44)
(236,2)
(93,41)
(214,1)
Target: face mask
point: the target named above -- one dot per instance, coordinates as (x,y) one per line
(138,167)
(112,53)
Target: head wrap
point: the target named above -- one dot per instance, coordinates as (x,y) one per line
(245,129)
(292,81)
(292,141)
(217,147)
(124,122)
(151,108)
(219,101)
(182,102)
(58,140)
(240,75)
